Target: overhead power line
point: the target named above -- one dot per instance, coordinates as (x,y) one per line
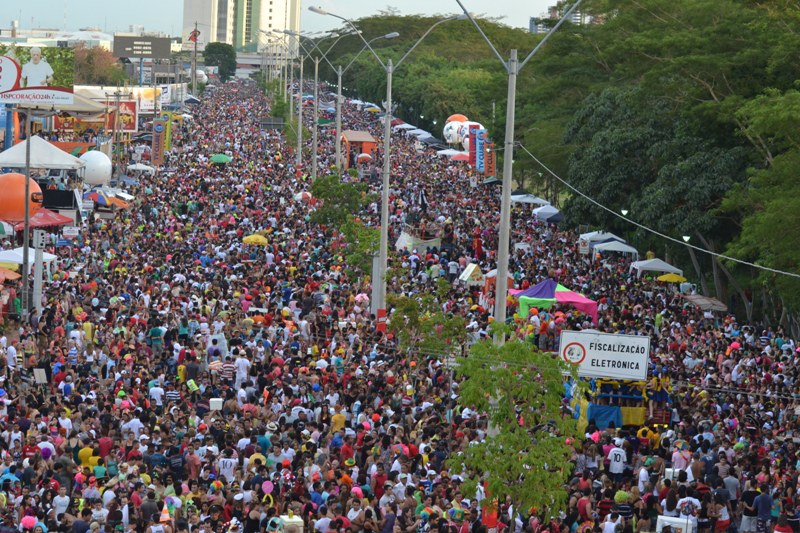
(656,232)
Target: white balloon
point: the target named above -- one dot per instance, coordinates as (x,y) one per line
(450,132)
(98,168)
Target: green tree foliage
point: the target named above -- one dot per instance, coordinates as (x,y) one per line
(526,455)
(221,55)
(683,113)
(420,326)
(97,66)
(339,200)
(337,213)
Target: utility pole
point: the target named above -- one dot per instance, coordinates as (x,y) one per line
(316,119)
(194,62)
(300,117)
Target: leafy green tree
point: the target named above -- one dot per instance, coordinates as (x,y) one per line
(221,55)
(420,326)
(340,204)
(339,200)
(526,455)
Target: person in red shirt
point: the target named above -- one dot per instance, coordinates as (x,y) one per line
(378,480)
(30,449)
(347,450)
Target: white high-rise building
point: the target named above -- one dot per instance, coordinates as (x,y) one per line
(214,20)
(238,22)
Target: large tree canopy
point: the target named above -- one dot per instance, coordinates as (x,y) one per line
(221,55)
(683,113)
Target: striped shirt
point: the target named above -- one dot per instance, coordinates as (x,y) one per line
(173,396)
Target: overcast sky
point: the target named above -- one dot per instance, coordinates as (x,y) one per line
(167,15)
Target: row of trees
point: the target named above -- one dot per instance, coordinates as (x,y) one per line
(684,114)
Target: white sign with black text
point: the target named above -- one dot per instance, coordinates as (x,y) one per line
(605,355)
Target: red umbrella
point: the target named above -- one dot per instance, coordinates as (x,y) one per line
(460,157)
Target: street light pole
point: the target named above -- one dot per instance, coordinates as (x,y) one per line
(340,73)
(316,120)
(512,68)
(339,121)
(379,269)
(300,116)
(383,248)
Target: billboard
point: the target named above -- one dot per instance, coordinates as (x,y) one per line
(159,141)
(606,355)
(142,47)
(128,116)
(37,76)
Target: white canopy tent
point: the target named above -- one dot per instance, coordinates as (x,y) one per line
(548,213)
(448,152)
(416,132)
(15,256)
(528,199)
(654,265)
(599,236)
(404,126)
(141,168)
(43,155)
(616,246)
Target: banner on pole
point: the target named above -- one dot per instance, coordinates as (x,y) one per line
(159,141)
(490,160)
(480,147)
(166,116)
(473,130)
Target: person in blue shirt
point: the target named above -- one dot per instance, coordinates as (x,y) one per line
(763,505)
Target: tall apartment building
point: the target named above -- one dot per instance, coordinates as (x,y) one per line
(237,22)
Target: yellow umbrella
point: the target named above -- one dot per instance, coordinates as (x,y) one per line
(373,109)
(671,278)
(256,240)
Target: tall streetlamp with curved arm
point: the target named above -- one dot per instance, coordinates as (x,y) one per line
(379,271)
(322,55)
(512,68)
(290,73)
(339,73)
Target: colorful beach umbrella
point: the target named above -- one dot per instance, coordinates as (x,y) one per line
(256,240)
(671,278)
(220,159)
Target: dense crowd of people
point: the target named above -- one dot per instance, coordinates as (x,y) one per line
(196,383)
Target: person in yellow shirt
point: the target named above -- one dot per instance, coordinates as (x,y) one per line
(85,454)
(338,420)
(88,331)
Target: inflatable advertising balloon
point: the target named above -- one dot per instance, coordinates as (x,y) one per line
(98,168)
(450,132)
(458,117)
(12,200)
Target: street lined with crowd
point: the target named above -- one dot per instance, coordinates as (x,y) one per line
(196,383)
